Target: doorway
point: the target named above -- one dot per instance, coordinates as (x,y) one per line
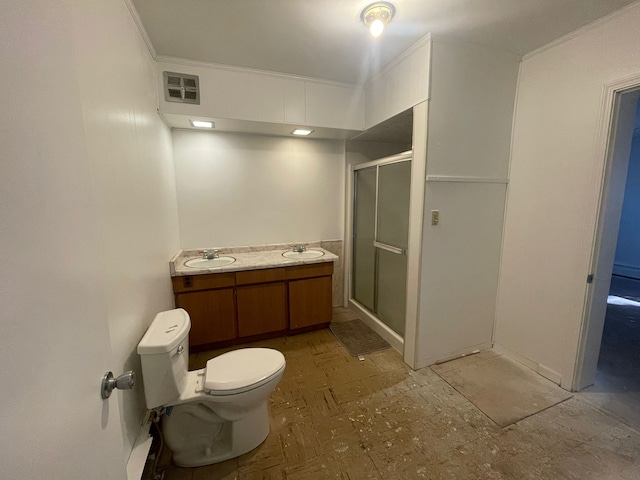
(601,343)
(616,385)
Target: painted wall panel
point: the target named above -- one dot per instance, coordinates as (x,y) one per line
(401,85)
(334,106)
(129,149)
(247,189)
(89,220)
(271,98)
(50,287)
(469,124)
(470,110)
(240,97)
(555,178)
(460,263)
(294,102)
(240,94)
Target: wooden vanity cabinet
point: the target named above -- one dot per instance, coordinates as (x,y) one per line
(233,307)
(310,302)
(261,301)
(261,309)
(210,302)
(212,315)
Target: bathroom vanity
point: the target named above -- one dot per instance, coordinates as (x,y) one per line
(261,294)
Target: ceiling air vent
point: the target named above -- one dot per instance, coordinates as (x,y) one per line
(181,88)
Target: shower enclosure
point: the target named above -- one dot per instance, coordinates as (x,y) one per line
(380,236)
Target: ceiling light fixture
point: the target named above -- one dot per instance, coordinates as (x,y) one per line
(301,131)
(202,124)
(376,16)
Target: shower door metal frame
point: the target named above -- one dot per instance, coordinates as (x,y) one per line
(399,158)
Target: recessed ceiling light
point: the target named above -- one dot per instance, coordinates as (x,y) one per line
(202,124)
(302,131)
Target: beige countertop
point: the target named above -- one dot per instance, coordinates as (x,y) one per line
(247,258)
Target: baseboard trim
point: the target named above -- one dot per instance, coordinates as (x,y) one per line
(432,359)
(140,452)
(539,368)
(626,271)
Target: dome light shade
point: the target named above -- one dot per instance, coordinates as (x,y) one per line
(376,16)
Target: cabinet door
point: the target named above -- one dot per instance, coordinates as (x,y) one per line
(310,302)
(261,308)
(212,315)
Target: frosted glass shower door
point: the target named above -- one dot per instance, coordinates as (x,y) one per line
(381,225)
(391,243)
(364,253)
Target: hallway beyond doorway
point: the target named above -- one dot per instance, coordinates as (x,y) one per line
(616,386)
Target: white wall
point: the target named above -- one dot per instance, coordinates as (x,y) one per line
(469,126)
(88,224)
(555,179)
(129,149)
(238,189)
(470,110)
(401,85)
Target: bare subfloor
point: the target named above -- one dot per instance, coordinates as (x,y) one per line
(616,386)
(334,416)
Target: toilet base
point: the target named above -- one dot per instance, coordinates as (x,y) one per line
(214,440)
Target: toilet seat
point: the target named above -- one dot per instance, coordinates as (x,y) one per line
(242,370)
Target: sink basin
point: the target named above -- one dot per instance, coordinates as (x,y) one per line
(302,255)
(209,262)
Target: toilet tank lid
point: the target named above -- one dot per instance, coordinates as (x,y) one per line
(166,332)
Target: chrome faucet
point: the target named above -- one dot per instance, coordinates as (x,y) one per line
(299,248)
(209,254)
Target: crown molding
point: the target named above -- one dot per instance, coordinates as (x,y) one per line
(141,30)
(579,31)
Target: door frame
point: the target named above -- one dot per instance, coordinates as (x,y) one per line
(602,253)
(397,341)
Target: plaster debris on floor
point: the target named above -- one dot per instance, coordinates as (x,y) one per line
(335,416)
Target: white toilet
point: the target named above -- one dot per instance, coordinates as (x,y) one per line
(218,412)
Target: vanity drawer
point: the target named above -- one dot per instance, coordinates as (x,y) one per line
(190,283)
(260,276)
(310,270)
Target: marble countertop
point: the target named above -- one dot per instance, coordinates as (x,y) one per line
(247,258)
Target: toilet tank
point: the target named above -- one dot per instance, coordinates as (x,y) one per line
(164,354)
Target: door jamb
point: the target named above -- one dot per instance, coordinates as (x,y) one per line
(604,150)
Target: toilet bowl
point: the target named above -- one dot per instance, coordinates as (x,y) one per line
(215,413)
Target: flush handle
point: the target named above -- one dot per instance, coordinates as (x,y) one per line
(179,351)
(126,381)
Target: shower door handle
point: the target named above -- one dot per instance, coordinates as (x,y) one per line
(390,248)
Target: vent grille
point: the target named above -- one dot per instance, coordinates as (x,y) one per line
(181,88)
